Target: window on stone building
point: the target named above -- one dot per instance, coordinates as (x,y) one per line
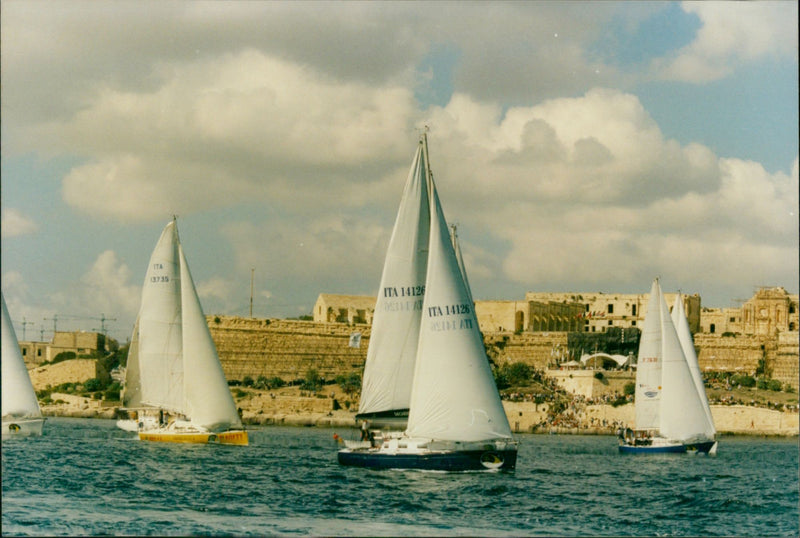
(24,352)
(712,328)
(611,309)
(633,308)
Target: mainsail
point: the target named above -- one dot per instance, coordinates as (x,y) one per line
(454,396)
(389,367)
(648,367)
(160,326)
(18,397)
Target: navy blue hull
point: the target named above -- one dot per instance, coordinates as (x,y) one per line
(702,447)
(469,460)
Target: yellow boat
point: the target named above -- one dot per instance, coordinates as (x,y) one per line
(223,438)
(174,377)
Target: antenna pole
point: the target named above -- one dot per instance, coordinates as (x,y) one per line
(252,272)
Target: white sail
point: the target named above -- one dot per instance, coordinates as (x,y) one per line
(648,367)
(389,367)
(681,323)
(207,399)
(454,396)
(18,397)
(132,394)
(682,415)
(160,326)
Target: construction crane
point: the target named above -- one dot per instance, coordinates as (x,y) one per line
(24,324)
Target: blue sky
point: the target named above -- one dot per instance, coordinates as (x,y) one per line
(580,146)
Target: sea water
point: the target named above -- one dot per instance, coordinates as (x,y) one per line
(86,477)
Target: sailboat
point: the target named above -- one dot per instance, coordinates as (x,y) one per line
(174,380)
(21,413)
(456,421)
(671,415)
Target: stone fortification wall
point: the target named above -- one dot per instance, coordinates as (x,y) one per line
(584,383)
(534,349)
(286,348)
(728,354)
(289,348)
(784,364)
(71,371)
(742,354)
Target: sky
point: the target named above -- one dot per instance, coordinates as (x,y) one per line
(586,147)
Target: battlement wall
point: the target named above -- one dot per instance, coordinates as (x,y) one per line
(286,348)
(289,349)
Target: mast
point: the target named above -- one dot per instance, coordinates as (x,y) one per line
(252,272)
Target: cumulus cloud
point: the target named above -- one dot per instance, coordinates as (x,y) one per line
(14,223)
(104,288)
(732,33)
(221,131)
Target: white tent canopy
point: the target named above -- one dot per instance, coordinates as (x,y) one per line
(604,358)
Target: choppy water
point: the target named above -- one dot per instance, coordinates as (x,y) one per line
(87,477)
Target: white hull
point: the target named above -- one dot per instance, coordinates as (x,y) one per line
(23,427)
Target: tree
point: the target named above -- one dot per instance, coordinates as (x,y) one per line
(312,380)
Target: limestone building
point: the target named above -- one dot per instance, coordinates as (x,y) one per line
(78,342)
(350,309)
(768,312)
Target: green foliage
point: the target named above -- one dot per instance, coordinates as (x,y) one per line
(599,376)
(275,382)
(312,381)
(744,380)
(774,385)
(518,373)
(92,385)
(248,381)
(729,334)
(619,401)
(63,356)
(762,383)
(512,375)
(113,391)
(350,383)
(629,388)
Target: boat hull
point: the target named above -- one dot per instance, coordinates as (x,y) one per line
(467,460)
(23,427)
(235,437)
(703,447)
